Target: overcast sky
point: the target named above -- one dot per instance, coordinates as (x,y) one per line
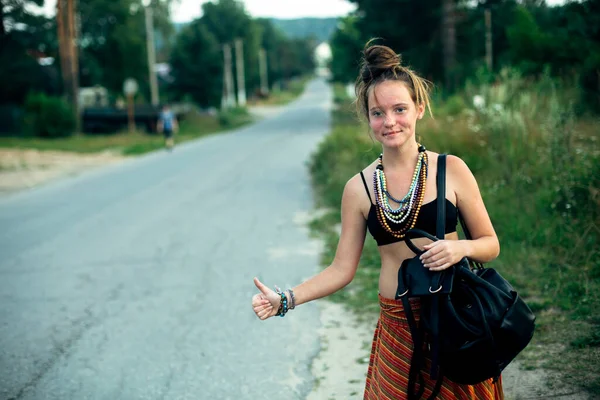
(190,9)
(187,10)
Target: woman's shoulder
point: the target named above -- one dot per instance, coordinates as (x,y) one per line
(356,184)
(454,164)
(457,166)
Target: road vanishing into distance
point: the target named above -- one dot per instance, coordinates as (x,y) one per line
(134,281)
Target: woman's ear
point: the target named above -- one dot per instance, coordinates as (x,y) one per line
(420,111)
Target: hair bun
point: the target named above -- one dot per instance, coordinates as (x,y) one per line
(378,59)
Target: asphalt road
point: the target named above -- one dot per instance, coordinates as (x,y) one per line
(134,281)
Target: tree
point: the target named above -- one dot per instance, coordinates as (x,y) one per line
(412,28)
(197,56)
(25,37)
(228,20)
(449,43)
(272,39)
(346,46)
(196,65)
(113,44)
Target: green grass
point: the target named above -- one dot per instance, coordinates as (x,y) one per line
(132,143)
(537,166)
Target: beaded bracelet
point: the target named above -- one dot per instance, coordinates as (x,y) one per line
(283,303)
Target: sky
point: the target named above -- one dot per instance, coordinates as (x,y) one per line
(187,10)
(190,9)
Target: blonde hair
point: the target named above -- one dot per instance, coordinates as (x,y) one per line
(380,63)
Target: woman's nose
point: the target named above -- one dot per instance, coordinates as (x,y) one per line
(389,120)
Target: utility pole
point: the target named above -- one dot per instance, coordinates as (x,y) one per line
(449,43)
(488,39)
(151,54)
(262,65)
(239,67)
(228,99)
(69,59)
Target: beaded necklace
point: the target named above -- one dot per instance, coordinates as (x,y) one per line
(397,221)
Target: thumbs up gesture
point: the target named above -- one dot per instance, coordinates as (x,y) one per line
(265,303)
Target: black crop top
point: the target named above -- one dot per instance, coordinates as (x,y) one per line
(426,219)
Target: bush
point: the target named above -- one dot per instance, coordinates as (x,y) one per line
(11,119)
(590,84)
(48,117)
(233,117)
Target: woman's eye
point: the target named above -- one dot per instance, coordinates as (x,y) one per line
(400,109)
(376,114)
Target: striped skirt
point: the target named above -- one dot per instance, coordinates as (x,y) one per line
(387,377)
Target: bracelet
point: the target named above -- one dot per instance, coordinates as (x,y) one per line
(292,299)
(283,303)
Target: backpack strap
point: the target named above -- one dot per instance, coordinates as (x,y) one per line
(417,333)
(440,226)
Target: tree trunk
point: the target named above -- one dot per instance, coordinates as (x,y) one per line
(69,60)
(449,43)
(2,29)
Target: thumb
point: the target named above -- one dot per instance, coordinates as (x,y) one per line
(261,286)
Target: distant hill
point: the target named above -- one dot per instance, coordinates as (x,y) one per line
(319,28)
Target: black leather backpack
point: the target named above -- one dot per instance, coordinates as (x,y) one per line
(472,320)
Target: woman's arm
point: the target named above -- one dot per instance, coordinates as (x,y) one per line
(344,265)
(484,245)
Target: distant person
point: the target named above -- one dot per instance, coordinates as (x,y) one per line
(167,125)
(393,194)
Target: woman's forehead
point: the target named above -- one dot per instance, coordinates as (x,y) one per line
(389,93)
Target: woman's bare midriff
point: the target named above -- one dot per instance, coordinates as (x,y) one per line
(392,256)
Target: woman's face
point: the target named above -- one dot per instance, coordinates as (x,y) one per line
(393,114)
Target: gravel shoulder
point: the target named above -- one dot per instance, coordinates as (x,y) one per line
(22,169)
(340,369)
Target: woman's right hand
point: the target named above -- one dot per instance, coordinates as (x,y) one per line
(265,303)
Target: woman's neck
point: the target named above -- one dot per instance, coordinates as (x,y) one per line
(401,157)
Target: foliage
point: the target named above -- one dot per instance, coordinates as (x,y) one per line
(228,20)
(346,45)
(233,117)
(200,73)
(113,45)
(529,35)
(48,117)
(24,37)
(192,126)
(196,65)
(22,73)
(15,12)
(409,27)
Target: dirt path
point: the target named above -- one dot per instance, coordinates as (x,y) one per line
(340,369)
(23,169)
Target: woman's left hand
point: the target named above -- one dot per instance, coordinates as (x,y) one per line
(442,254)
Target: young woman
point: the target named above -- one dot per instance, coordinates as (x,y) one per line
(388,197)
